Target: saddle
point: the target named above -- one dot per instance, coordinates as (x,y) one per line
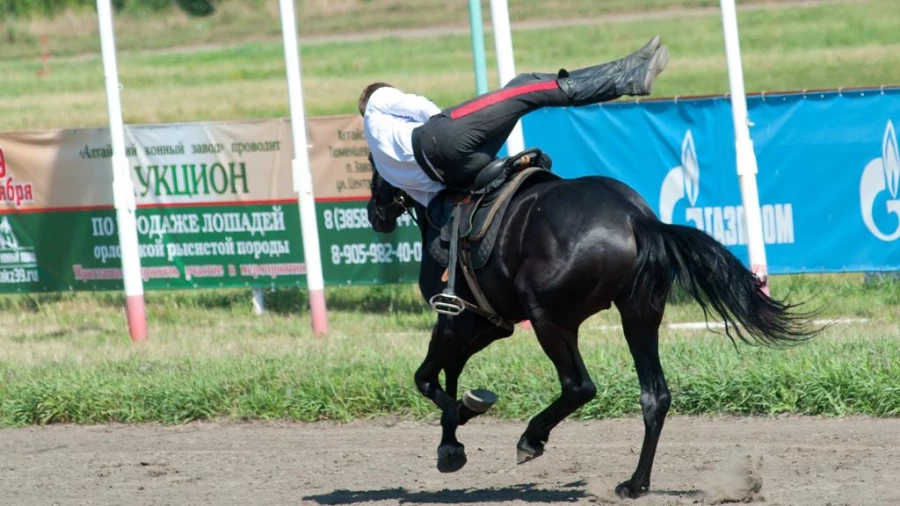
(464,225)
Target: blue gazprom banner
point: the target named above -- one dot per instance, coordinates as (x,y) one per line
(828,169)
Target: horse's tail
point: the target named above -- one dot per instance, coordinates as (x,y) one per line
(716,279)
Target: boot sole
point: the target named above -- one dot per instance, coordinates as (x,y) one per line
(657,64)
(639,57)
(479,400)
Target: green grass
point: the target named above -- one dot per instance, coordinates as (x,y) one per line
(369,374)
(74,31)
(66,358)
(829,46)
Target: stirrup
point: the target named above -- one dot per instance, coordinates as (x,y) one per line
(447,303)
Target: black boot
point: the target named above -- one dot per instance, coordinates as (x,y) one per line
(601,86)
(628,62)
(614,67)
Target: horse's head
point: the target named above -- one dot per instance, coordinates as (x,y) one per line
(386,203)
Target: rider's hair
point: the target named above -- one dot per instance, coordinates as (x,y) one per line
(366,93)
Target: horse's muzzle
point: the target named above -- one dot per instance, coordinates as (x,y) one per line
(380,222)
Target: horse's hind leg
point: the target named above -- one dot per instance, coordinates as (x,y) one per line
(642,334)
(561,346)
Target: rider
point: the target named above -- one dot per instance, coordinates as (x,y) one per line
(421,149)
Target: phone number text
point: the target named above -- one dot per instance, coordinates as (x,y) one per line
(376,253)
(355,218)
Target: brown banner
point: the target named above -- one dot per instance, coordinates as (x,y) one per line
(185,163)
(339,157)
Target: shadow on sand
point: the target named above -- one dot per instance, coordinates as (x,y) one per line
(528,492)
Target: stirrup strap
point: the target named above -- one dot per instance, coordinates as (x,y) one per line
(447,302)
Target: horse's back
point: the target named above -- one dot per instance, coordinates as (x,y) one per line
(572,233)
(589,201)
(618,196)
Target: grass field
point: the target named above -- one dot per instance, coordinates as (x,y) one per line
(65,357)
(75,32)
(843,44)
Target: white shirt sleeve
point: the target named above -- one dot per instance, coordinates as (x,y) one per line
(404,105)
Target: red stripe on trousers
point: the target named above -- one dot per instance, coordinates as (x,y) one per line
(499,96)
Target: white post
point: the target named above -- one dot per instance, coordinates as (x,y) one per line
(302,177)
(123,188)
(259,304)
(506,64)
(746,158)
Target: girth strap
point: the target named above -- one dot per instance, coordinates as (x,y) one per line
(484,307)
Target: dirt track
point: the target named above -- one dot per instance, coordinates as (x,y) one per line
(804,461)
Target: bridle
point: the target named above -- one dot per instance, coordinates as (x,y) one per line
(400,202)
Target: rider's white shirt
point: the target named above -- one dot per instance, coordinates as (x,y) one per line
(391,115)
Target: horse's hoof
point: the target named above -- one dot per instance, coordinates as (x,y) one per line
(523,456)
(625,491)
(526,452)
(479,400)
(451,458)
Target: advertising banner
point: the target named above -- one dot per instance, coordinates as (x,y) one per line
(216,208)
(828,169)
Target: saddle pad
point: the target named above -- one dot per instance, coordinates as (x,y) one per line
(480,220)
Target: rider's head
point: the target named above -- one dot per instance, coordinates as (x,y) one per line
(366,93)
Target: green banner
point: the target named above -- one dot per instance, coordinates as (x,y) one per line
(352,253)
(202,247)
(216,207)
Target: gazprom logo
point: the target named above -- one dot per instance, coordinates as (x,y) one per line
(725,223)
(878,188)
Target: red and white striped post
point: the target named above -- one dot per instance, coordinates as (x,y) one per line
(746,158)
(123,188)
(302,177)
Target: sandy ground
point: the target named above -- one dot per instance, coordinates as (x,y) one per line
(783,461)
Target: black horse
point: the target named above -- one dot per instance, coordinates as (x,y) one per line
(569,248)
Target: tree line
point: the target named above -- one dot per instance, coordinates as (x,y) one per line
(32,8)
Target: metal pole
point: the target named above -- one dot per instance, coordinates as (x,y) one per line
(746,158)
(123,188)
(478,57)
(506,64)
(259,305)
(302,177)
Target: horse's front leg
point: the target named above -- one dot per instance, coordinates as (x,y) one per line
(473,402)
(451,453)
(449,353)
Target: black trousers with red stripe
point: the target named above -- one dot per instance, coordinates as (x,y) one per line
(453,146)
